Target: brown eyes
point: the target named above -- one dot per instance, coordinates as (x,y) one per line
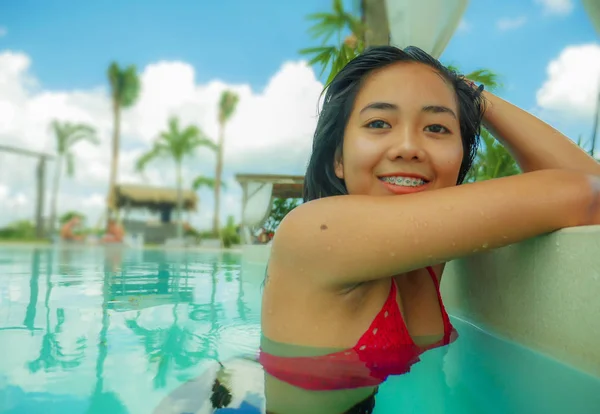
(437,129)
(434,128)
(378,124)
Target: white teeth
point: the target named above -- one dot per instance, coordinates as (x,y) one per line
(404,181)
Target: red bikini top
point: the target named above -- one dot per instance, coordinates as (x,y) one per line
(385,349)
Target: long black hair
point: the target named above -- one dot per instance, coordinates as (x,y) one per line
(320,179)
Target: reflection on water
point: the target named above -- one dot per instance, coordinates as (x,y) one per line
(99,330)
(108,330)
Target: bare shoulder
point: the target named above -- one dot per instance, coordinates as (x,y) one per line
(357,238)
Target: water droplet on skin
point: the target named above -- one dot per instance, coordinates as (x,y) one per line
(328,248)
(485,245)
(453,244)
(392,254)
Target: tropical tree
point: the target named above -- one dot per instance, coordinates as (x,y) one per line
(338,24)
(67,136)
(279,209)
(227,106)
(492,161)
(124,92)
(368,29)
(176,143)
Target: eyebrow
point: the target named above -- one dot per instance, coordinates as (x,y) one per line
(386,106)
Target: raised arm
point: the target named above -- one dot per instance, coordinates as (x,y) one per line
(534,144)
(348,239)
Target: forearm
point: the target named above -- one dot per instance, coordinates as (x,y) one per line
(534,144)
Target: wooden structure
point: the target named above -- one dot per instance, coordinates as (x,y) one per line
(40,183)
(155,199)
(254,186)
(159,200)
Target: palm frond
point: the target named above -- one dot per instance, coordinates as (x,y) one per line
(486,77)
(227,105)
(156,152)
(124,84)
(202,181)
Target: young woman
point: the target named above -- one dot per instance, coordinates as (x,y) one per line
(352,289)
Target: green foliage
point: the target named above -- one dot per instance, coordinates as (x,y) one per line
(124,85)
(201,181)
(281,207)
(229,233)
(338,23)
(18,230)
(492,161)
(227,105)
(69,215)
(67,135)
(175,143)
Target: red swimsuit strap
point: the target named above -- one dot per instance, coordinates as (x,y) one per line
(445,318)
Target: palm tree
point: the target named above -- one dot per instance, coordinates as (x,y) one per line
(227,106)
(125,90)
(176,143)
(340,22)
(374,17)
(492,161)
(370,29)
(67,136)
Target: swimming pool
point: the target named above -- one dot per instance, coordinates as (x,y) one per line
(95,330)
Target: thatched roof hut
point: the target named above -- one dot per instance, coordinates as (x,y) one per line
(151,198)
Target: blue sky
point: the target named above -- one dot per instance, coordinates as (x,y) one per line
(71,42)
(66,46)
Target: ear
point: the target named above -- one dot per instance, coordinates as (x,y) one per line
(338,165)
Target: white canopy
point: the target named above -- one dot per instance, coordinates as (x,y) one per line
(427,24)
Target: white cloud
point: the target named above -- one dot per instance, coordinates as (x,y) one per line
(512,23)
(570,90)
(271,132)
(3,31)
(556,7)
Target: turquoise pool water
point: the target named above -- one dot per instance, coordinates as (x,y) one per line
(94,330)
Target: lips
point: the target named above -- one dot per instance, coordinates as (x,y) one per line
(403,174)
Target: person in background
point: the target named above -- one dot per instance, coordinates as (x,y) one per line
(67,231)
(114,232)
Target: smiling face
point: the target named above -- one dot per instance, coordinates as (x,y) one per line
(403,134)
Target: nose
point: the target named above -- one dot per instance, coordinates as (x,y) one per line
(407,146)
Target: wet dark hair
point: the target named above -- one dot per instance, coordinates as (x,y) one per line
(320,179)
(221,396)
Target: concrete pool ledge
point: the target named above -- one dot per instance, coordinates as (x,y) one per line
(543,293)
